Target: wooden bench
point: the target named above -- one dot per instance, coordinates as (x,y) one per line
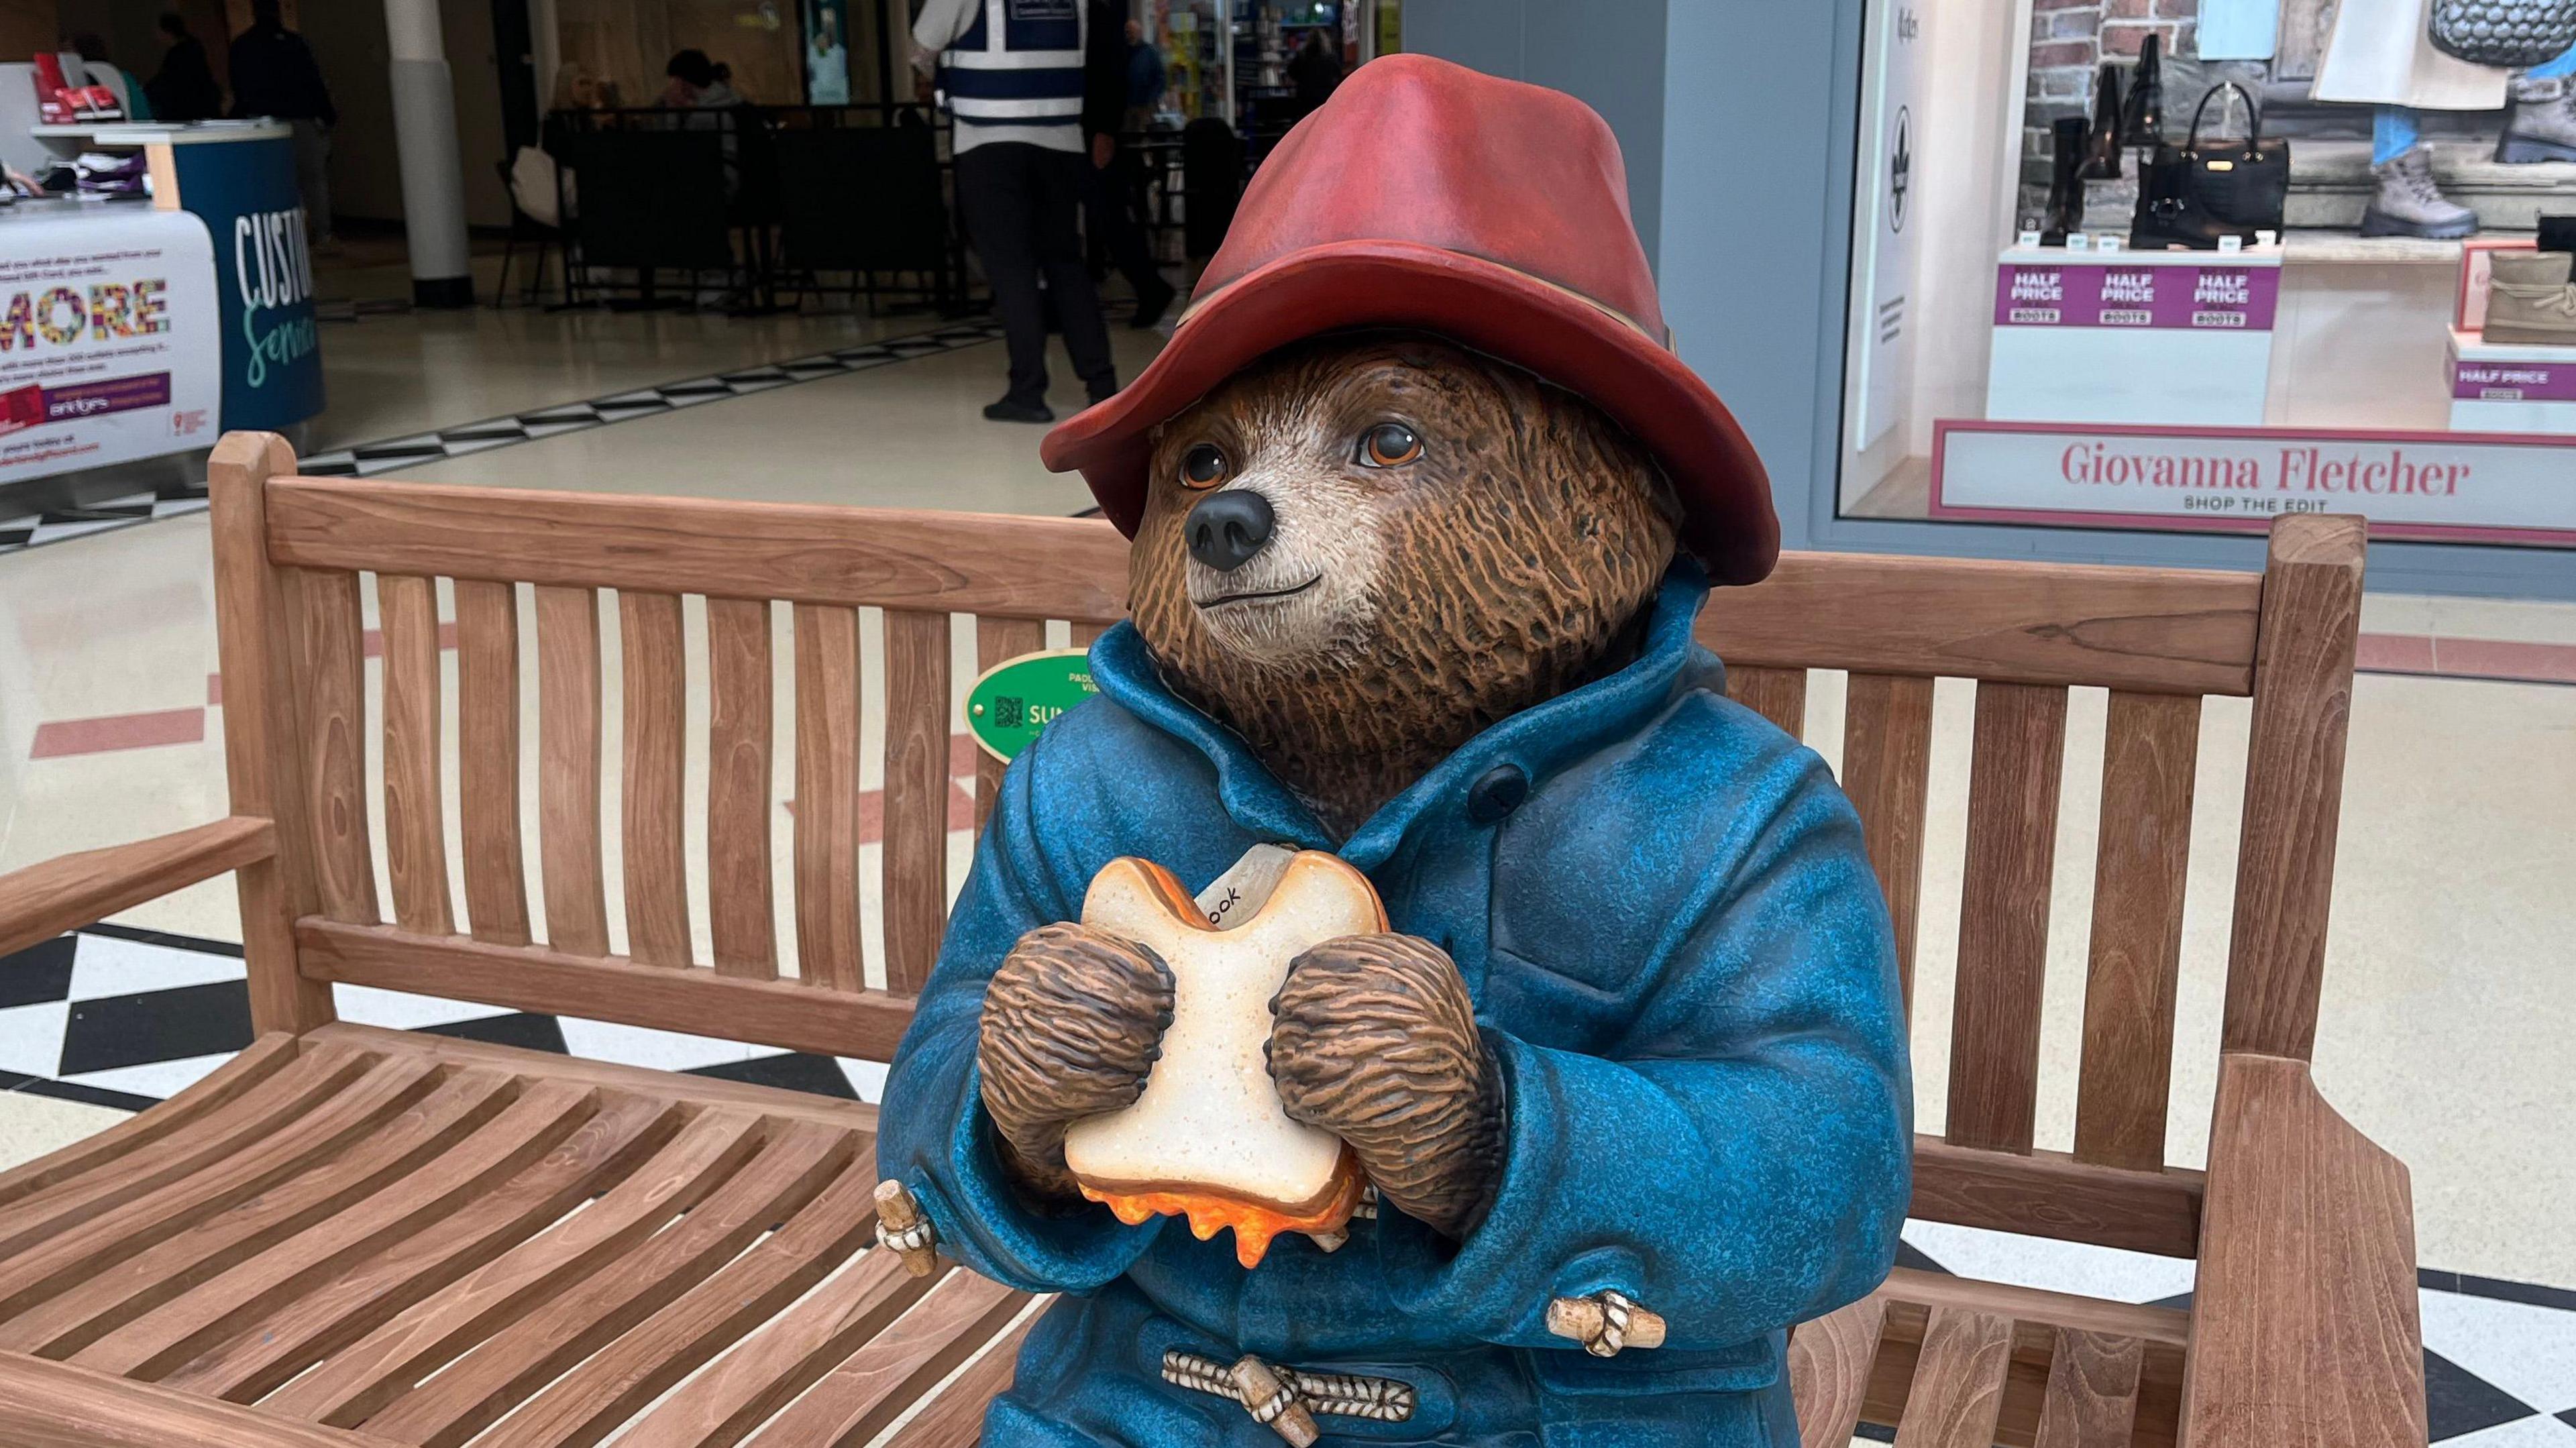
(351,1236)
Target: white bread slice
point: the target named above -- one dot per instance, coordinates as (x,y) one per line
(1209,1138)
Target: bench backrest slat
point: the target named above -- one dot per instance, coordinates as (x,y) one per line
(2150,752)
(415,821)
(742,912)
(331,673)
(1779,695)
(1887,767)
(487,748)
(830,634)
(917,789)
(2018,753)
(827,796)
(569,856)
(651,660)
(998,641)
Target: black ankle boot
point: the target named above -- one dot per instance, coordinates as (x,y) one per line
(2143,122)
(2066,182)
(2102,152)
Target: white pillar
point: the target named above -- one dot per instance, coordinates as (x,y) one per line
(433,177)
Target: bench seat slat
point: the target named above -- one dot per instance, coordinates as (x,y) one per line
(1829,1364)
(740,907)
(487,728)
(1958,1396)
(770,1368)
(592,1400)
(55,1405)
(415,821)
(280,1342)
(2092,1391)
(827,798)
(792,1166)
(212,1310)
(955,1418)
(108,1150)
(652,661)
(856,1400)
(116,1295)
(337,1118)
(389,1361)
(237,1125)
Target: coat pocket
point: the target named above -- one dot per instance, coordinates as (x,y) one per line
(1662,1399)
(1746,1367)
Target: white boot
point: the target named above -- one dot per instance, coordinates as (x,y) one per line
(2409,203)
(2541,126)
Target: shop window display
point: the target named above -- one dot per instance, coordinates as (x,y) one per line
(2193,264)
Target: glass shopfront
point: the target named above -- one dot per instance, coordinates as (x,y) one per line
(2178,267)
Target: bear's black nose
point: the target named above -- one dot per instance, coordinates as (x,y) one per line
(1229,528)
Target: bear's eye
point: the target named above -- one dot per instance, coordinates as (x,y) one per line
(1202,465)
(1389,445)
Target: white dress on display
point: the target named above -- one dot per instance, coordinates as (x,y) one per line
(2381,53)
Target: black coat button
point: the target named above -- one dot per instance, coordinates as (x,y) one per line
(1496,794)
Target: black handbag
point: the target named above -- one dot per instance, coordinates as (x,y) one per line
(2201,193)
(2508,34)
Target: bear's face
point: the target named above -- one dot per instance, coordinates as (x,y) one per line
(1361,551)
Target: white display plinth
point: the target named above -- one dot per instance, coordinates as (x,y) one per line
(2179,338)
(2500,388)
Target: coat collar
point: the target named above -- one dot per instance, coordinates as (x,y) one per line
(1538,741)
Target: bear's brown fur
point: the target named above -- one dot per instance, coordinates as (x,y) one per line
(1503,567)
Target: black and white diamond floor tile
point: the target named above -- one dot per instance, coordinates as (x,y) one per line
(393,454)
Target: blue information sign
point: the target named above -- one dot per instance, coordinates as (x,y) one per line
(245,192)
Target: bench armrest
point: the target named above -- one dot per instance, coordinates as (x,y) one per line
(2304,1322)
(66,893)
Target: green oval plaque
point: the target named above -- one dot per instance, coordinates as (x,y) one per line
(1016,698)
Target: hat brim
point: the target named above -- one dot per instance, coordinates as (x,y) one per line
(1597,355)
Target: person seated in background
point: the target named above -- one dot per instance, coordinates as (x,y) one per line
(103,71)
(690,75)
(184,88)
(827,63)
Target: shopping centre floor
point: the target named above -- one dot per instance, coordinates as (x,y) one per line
(2451,986)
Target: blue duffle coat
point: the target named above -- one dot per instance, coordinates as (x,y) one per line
(1680,958)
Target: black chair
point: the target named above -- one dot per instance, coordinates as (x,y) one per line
(525,229)
(863,200)
(651,200)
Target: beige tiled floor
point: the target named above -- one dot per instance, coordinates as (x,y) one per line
(2451,985)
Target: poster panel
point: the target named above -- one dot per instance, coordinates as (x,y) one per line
(1889,189)
(109,348)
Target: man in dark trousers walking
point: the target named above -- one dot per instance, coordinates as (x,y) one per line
(274,74)
(1013,74)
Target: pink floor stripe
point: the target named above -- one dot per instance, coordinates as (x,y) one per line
(118,731)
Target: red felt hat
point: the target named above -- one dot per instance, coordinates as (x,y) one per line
(1427,195)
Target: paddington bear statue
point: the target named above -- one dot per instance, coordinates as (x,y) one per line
(1424,508)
